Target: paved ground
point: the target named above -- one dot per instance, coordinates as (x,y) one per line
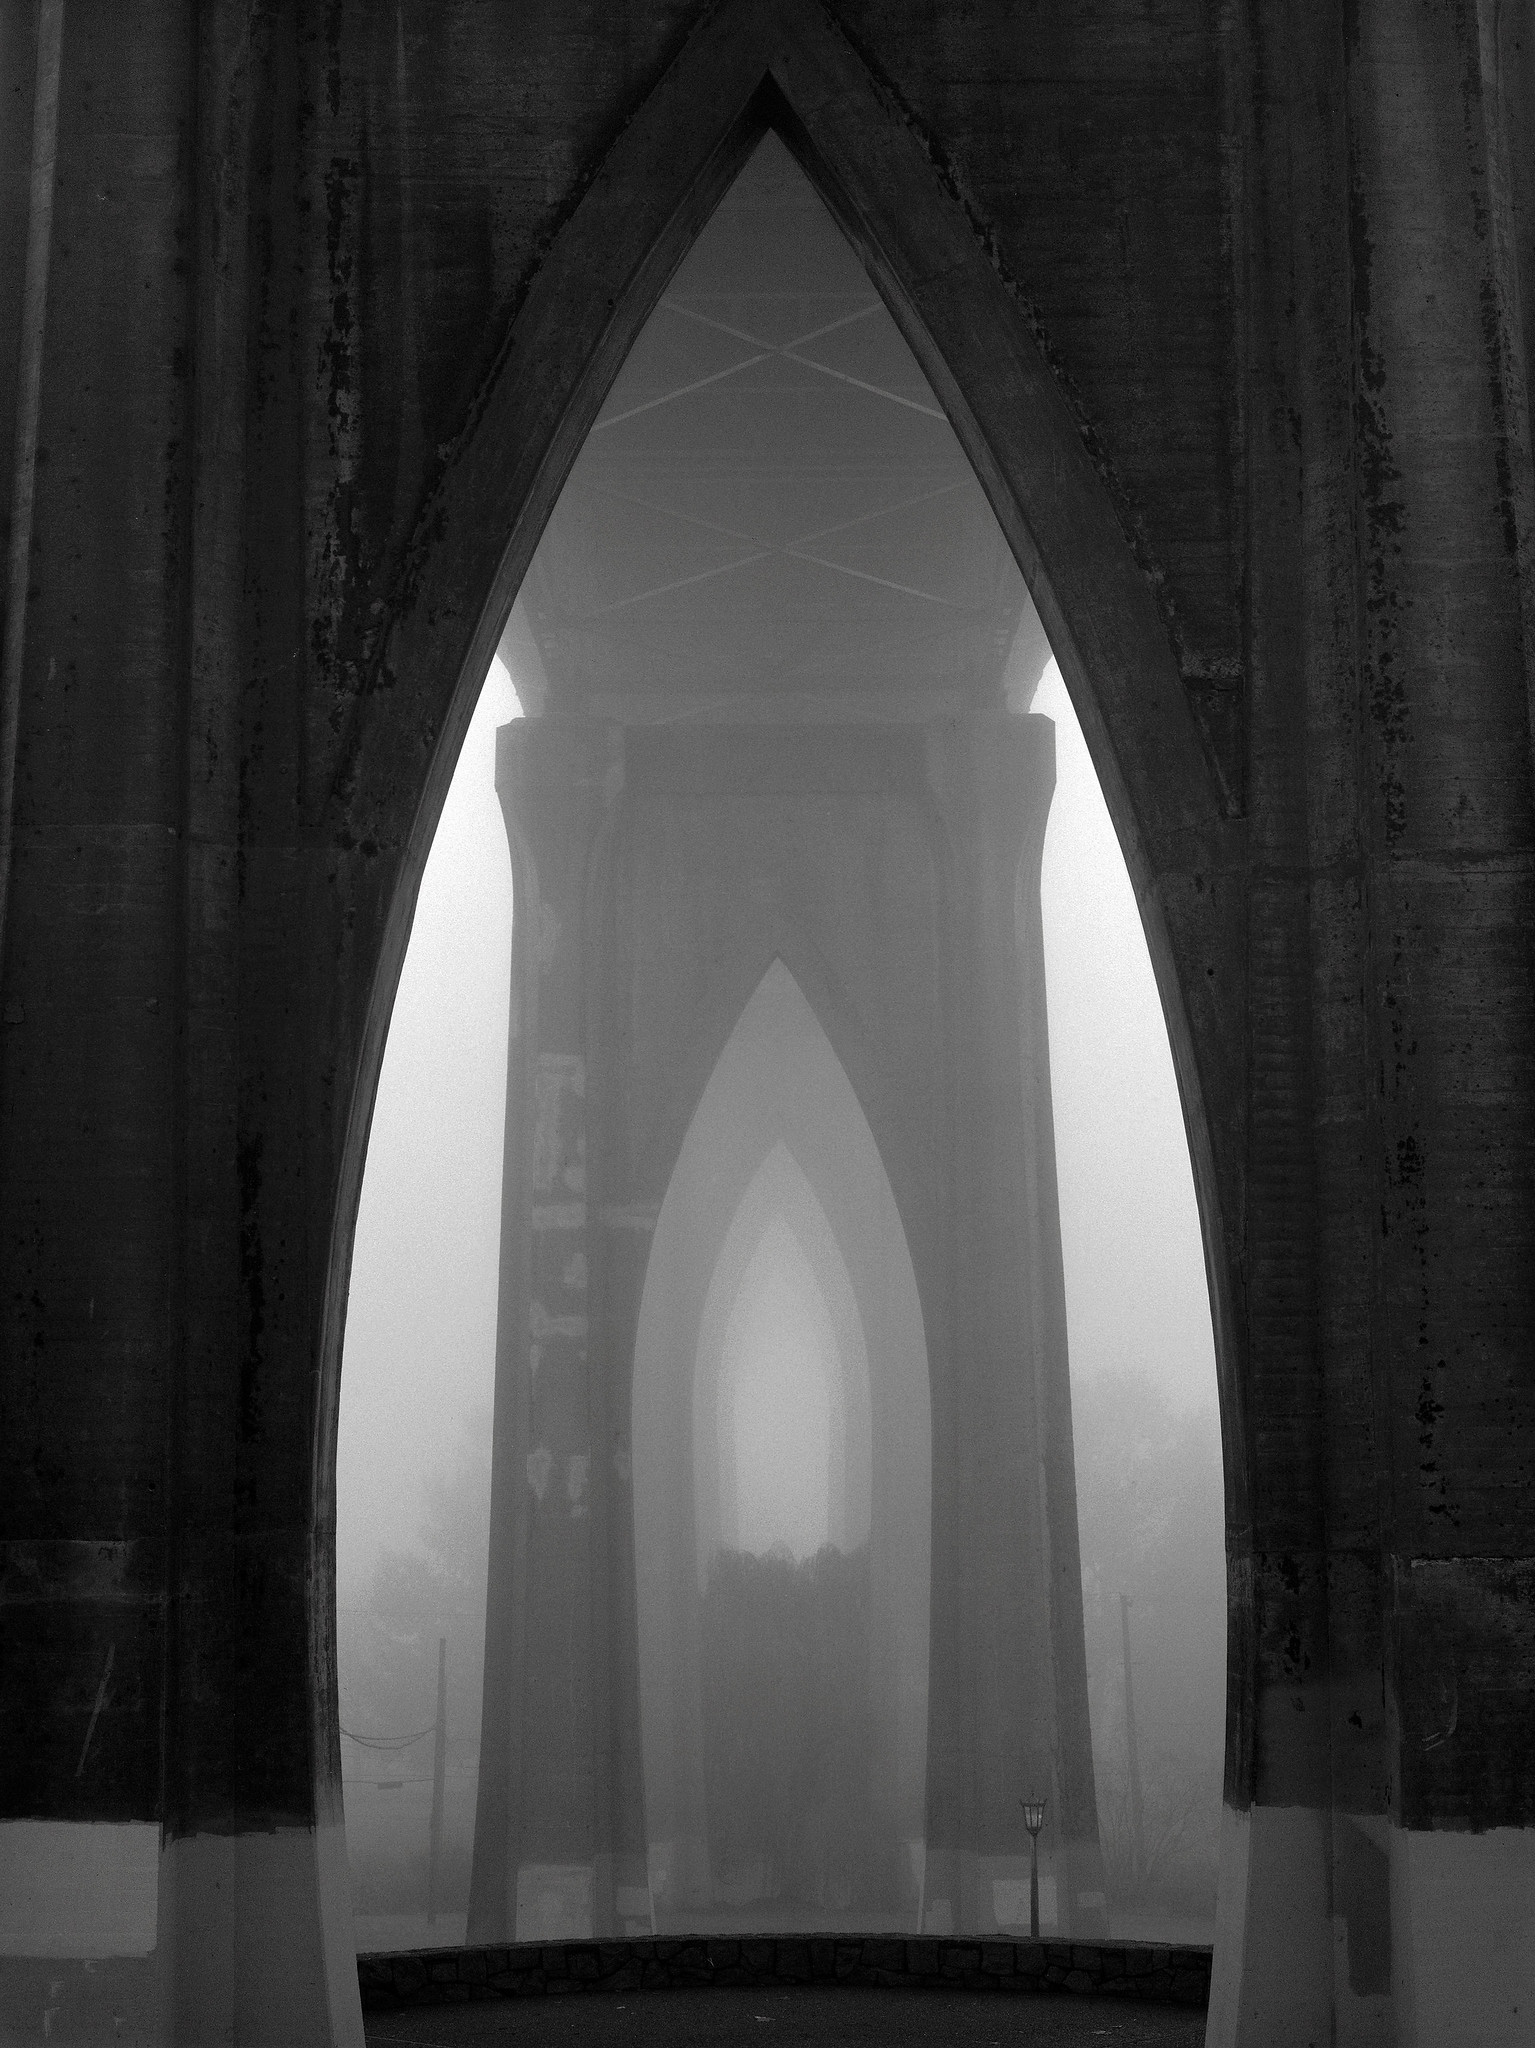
(805,2018)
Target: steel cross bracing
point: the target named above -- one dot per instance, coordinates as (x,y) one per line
(772,495)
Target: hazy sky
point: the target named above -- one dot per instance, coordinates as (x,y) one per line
(421,1315)
(420,1337)
(1135,1275)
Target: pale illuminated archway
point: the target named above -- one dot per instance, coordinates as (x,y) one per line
(707,1375)
(778,1142)
(780,1323)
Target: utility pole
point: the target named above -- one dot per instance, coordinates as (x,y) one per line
(1137,1824)
(439,1761)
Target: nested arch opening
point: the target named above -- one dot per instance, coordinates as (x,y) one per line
(743,76)
(1004,474)
(779,1255)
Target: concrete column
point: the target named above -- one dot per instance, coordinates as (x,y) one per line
(1378,1860)
(1445,533)
(622,1237)
(171,1860)
(551,1859)
(775,1110)
(731,853)
(1008,1704)
(667,1541)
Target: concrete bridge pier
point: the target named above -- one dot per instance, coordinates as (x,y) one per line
(554,1859)
(1008,1702)
(656,877)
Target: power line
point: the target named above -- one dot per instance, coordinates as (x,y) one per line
(388,1741)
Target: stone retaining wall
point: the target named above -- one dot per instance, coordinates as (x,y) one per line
(1133,1969)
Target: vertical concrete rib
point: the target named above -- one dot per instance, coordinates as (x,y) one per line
(34,316)
(549,1658)
(1451,856)
(1274,1940)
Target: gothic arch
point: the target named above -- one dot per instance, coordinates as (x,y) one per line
(778,983)
(744,1110)
(746,68)
(751,65)
(848,1034)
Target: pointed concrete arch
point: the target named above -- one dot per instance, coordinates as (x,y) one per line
(736,980)
(751,65)
(757,1098)
(747,66)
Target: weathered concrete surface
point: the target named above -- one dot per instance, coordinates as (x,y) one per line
(1232,309)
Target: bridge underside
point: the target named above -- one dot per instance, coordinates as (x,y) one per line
(304,322)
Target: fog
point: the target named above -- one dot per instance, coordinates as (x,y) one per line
(778,1369)
(773,520)
(419,1365)
(420,1353)
(421,1315)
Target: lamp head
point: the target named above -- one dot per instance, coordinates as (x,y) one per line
(1033,1814)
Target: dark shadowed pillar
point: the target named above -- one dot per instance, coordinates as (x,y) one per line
(172,1862)
(1378,1856)
(553,1858)
(1009,1685)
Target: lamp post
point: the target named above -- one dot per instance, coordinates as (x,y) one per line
(1033,1820)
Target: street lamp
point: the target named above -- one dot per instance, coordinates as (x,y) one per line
(1033,1820)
